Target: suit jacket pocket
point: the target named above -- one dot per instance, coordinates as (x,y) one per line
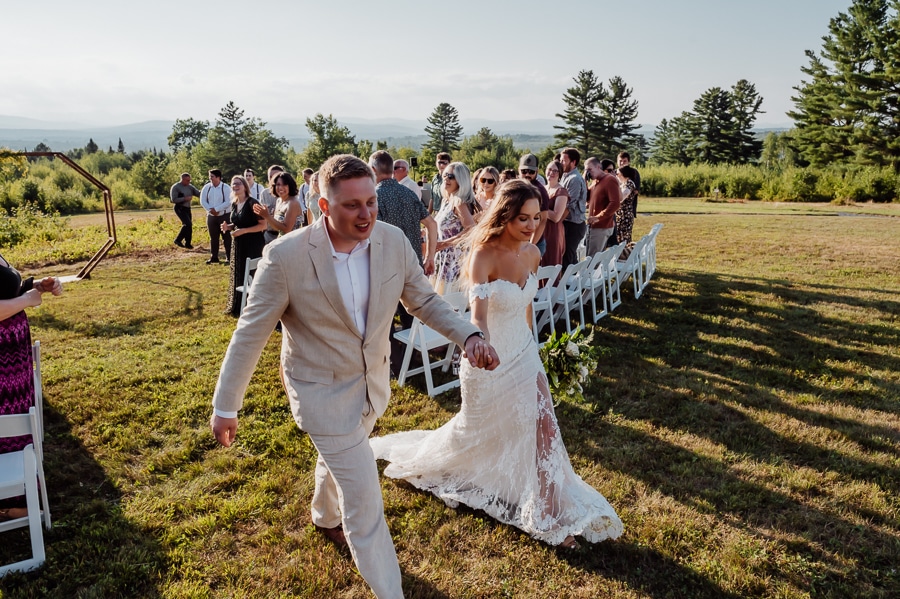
(311,375)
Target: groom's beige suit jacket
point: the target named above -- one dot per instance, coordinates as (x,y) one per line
(332,373)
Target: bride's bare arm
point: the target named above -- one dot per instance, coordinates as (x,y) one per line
(479,272)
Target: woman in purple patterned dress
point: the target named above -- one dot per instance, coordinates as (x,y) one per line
(454,217)
(16,363)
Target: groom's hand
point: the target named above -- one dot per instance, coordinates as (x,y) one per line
(481,354)
(224,429)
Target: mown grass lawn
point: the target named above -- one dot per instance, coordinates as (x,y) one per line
(746,426)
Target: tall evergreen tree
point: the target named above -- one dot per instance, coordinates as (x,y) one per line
(444,130)
(237,142)
(745,105)
(91,147)
(848,109)
(712,127)
(582,126)
(618,113)
(121,148)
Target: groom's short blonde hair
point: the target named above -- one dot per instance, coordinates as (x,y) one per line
(341,168)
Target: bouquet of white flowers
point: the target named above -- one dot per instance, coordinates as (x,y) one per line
(569,360)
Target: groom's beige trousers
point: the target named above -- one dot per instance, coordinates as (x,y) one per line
(346,468)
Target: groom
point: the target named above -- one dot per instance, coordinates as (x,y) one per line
(335,286)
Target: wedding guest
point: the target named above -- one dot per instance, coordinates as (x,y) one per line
(573,224)
(488,182)
(401,175)
(503,452)
(528,171)
(312,199)
(288,213)
(215,197)
(603,203)
(508,174)
(624,159)
(625,214)
(458,205)
(255,188)
(268,198)
(181,194)
(247,228)
(16,362)
(437,183)
(554,234)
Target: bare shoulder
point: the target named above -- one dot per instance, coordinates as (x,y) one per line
(531,255)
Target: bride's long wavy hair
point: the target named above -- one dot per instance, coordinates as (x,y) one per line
(507,205)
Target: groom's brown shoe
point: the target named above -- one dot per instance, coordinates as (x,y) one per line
(335,535)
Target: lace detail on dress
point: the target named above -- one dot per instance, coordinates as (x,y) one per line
(480,291)
(503,452)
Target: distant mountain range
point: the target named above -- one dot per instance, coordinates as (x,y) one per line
(21,133)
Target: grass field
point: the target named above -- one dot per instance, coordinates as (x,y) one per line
(746,427)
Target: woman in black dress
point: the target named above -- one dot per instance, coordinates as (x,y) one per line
(247,235)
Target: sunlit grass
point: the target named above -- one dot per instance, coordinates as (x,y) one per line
(746,427)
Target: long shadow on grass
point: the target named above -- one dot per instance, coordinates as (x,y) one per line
(92,549)
(711,356)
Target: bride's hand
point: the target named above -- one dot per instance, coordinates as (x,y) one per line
(481,354)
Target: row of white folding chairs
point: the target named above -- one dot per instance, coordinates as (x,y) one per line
(22,473)
(593,282)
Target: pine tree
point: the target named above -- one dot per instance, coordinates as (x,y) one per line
(582,128)
(745,105)
(712,127)
(848,109)
(444,130)
(91,147)
(121,148)
(618,113)
(237,142)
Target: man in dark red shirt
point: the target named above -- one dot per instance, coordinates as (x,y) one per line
(604,199)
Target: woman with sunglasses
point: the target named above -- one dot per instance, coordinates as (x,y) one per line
(247,238)
(554,234)
(458,206)
(488,182)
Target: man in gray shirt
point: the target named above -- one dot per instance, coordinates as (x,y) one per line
(181,195)
(573,225)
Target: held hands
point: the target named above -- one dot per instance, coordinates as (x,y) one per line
(49,284)
(224,429)
(481,354)
(428,266)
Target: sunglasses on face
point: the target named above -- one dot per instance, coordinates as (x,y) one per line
(487,181)
(526,171)
(443,162)
(449,176)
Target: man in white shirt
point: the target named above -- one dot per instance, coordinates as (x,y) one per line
(255,189)
(401,175)
(304,189)
(215,197)
(334,286)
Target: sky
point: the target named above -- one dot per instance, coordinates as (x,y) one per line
(104,62)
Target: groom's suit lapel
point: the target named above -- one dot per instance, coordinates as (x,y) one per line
(323,262)
(376,276)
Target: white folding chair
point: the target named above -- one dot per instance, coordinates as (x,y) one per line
(631,266)
(613,293)
(650,261)
(542,304)
(38,387)
(594,280)
(249,271)
(422,338)
(19,475)
(566,296)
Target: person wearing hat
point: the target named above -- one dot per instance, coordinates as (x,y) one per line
(181,195)
(528,170)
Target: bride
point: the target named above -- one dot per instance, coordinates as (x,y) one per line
(502,453)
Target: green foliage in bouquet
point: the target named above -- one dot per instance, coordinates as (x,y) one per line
(569,360)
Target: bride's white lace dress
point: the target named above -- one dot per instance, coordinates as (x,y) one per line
(503,453)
